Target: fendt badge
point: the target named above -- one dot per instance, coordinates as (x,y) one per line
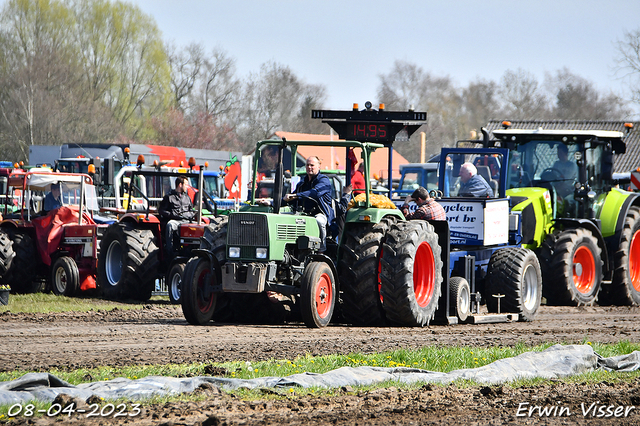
(247,222)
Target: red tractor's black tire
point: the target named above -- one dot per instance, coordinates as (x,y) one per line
(25,265)
(358,270)
(317,295)
(573,275)
(625,287)
(411,274)
(128,262)
(65,277)
(173,280)
(514,273)
(6,254)
(198,299)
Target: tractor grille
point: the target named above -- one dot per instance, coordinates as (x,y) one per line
(289,232)
(247,229)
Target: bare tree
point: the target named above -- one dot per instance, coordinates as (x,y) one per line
(185,66)
(628,62)
(409,86)
(576,98)
(218,90)
(522,96)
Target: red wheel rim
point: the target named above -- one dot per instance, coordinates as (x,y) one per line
(204,303)
(323,296)
(634,261)
(584,270)
(424,275)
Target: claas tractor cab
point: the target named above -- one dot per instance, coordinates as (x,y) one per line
(134,251)
(54,248)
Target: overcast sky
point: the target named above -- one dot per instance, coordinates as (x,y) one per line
(346,44)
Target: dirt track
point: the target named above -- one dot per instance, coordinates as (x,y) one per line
(159,334)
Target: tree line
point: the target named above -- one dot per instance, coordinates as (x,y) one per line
(98,71)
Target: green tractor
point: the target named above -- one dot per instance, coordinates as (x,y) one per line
(275,250)
(585,230)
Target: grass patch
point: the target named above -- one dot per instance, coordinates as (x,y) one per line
(442,359)
(44,303)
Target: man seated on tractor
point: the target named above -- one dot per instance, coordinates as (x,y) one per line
(177,208)
(473,185)
(314,194)
(428,208)
(52,199)
(568,169)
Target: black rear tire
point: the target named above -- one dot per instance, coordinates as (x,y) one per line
(128,262)
(411,275)
(198,298)
(25,265)
(65,277)
(514,273)
(317,295)
(173,280)
(573,274)
(358,270)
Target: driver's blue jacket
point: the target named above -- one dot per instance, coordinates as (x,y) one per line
(319,188)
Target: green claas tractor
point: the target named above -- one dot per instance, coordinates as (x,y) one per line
(585,230)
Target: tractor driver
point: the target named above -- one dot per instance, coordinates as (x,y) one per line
(315,186)
(52,199)
(177,208)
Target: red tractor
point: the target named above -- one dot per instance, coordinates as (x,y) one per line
(52,249)
(133,253)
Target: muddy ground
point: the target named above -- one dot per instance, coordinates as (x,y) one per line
(158,334)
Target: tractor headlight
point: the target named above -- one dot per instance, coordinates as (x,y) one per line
(234,251)
(261,253)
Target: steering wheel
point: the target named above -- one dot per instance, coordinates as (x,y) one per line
(551,174)
(298,206)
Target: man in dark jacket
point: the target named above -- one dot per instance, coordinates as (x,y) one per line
(472,184)
(315,186)
(177,208)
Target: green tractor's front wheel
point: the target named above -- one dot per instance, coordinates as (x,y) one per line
(197,295)
(573,275)
(317,295)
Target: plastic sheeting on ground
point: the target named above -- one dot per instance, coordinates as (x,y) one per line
(555,362)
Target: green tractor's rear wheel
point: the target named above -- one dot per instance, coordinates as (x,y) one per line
(515,274)
(215,240)
(411,273)
(358,269)
(625,287)
(573,275)
(317,295)
(198,297)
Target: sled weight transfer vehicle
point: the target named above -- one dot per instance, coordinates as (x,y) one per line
(378,267)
